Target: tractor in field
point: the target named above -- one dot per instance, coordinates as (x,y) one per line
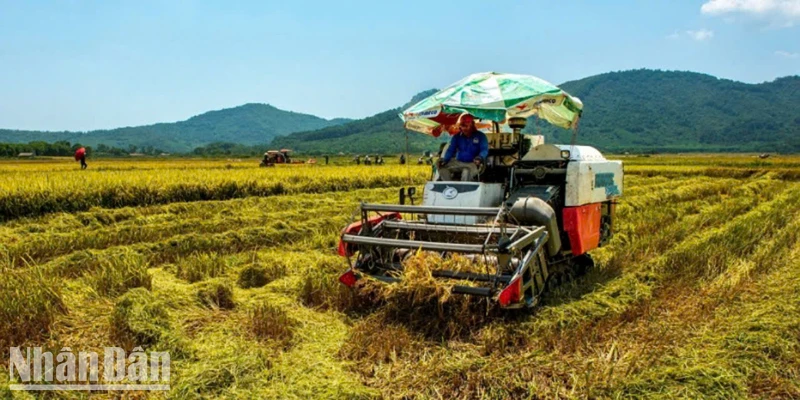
(273,157)
(529,220)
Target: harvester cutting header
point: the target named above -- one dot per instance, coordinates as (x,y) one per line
(526,213)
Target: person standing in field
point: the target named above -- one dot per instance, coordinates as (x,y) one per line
(80,155)
(326,160)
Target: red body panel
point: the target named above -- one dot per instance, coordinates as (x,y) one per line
(582,225)
(355,227)
(511,294)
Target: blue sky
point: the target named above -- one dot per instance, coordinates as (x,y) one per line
(80,65)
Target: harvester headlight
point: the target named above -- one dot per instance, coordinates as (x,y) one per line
(565,154)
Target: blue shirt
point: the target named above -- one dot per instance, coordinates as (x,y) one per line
(465,149)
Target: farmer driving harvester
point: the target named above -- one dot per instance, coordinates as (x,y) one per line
(528,223)
(469,147)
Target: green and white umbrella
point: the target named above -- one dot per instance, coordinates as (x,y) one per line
(496,97)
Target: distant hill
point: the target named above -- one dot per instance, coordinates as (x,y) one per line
(685,111)
(640,110)
(248,124)
(380,133)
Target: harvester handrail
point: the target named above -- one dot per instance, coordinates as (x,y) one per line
(481,211)
(524,264)
(420,226)
(529,238)
(413,244)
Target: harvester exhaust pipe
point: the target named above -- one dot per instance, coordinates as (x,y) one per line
(535,211)
(517,124)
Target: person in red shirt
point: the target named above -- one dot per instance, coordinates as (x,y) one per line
(80,155)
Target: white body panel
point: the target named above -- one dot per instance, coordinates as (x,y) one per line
(592,182)
(590,177)
(536,140)
(544,152)
(461,194)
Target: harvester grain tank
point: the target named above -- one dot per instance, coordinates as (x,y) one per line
(529,221)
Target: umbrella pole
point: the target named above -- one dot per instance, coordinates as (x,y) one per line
(408,160)
(574,137)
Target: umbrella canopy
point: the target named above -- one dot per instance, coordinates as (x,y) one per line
(496,97)
(80,153)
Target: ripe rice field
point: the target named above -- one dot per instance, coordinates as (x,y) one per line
(233,270)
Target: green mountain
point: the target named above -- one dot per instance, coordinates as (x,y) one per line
(640,110)
(381,133)
(248,124)
(685,111)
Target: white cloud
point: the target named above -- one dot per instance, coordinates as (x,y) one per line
(779,12)
(702,34)
(786,54)
(698,35)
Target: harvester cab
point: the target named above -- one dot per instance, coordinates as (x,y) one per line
(525,225)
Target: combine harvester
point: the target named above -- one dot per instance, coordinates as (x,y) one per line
(273,157)
(529,221)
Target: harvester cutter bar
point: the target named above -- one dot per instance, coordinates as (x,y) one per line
(471,276)
(475,291)
(467,276)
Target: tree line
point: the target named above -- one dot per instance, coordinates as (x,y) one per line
(66,149)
